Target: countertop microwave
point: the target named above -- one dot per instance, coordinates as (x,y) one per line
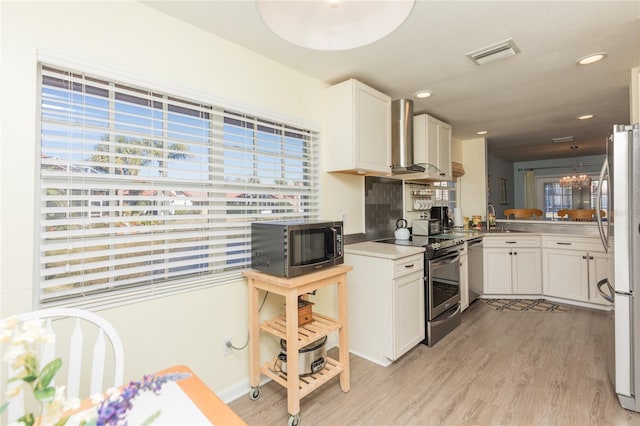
(293,248)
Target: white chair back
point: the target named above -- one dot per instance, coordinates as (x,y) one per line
(103,348)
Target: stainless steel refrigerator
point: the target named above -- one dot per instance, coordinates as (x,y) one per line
(620,235)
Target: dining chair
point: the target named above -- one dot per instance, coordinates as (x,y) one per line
(580,215)
(523,213)
(79,336)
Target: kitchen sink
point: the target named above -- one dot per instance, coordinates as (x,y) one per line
(503,231)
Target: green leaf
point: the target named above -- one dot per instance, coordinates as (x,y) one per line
(3,407)
(47,373)
(151,418)
(28,379)
(44,394)
(27,419)
(62,421)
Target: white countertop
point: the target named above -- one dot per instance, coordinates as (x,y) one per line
(383,250)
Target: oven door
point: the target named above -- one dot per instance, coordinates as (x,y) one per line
(443,283)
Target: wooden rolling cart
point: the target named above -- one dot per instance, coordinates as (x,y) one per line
(286,327)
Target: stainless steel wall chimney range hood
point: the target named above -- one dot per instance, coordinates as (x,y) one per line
(402,137)
(402,160)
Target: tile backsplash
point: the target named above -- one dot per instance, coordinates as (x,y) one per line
(383,206)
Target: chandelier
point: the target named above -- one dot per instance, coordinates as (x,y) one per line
(575,181)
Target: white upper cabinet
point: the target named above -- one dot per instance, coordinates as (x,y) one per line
(358,133)
(432,143)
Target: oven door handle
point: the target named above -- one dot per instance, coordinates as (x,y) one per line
(448,317)
(450,258)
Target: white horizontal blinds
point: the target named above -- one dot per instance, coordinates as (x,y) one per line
(140,188)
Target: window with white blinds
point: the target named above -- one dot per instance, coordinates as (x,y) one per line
(141,190)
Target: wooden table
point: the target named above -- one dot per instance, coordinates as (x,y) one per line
(286,327)
(204,398)
(210,405)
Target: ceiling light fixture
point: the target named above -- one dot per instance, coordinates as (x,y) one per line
(563,139)
(482,132)
(332,24)
(591,58)
(493,52)
(586,116)
(423,94)
(575,181)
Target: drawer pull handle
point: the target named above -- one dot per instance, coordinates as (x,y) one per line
(409,266)
(561,243)
(511,242)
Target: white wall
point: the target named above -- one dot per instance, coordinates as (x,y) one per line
(473,185)
(128,36)
(634,95)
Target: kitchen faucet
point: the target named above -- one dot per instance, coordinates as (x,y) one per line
(491,216)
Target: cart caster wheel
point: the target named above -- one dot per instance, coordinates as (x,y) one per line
(254,393)
(294,420)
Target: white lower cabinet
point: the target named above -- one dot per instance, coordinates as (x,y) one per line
(512,266)
(408,313)
(386,306)
(464,278)
(572,268)
(598,270)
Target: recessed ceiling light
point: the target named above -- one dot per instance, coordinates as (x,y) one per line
(423,94)
(482,132)
(591,58)
(586,116)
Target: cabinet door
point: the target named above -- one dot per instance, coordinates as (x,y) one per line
(497,271)
(464,280)
(566,274)
(373,130)
(358,131)
(527,271)
(409,319)
(432,141)
(444,149)
(598,269)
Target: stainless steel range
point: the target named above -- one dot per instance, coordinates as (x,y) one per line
(442,282)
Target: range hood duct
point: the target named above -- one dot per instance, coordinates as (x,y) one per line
(402,137)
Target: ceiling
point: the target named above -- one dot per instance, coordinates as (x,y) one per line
(522,101)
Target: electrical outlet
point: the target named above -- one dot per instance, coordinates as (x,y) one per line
(226,346)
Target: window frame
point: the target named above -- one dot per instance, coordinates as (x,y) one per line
(97,205)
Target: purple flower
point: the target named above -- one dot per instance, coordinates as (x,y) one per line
(113,412)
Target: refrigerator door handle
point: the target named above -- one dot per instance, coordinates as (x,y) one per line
(604,171)
(607,297)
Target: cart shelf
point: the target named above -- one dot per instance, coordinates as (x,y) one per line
(307,384)
(319,327)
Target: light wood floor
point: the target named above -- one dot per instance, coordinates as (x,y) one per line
(497,368)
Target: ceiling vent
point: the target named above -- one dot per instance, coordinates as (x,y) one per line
(496,51)
(563,139)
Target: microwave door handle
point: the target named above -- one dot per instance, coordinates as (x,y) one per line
(335,242)
(603,237)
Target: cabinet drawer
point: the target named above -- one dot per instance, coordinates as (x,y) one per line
(573,243)
(511,241)
(407,265)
